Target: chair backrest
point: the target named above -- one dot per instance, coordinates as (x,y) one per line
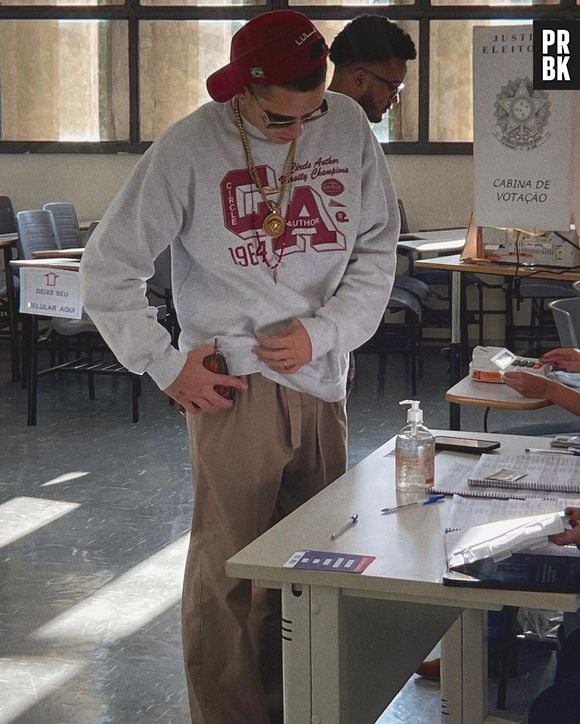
(7,218)
(65,224)
(404,222)
(35,232)
(403,300)
(160,282)
(576,286)
(567,317)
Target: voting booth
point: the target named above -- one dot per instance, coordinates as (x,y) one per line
(526,154)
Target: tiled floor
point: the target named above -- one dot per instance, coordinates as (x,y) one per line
(94,515)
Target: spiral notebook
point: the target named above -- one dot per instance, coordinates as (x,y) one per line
(508,477)
(552,473)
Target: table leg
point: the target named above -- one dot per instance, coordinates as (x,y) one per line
(12,317)
(455,347)
(347,656)
(31,336)
(464,670)
(296,653)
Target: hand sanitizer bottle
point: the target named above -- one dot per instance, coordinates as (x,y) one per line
(414,452)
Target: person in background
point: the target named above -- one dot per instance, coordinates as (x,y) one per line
(370,56)
(278,207)
(538,386)
(559,702)
(370,63)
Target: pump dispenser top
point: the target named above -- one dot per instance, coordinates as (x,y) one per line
(414,413)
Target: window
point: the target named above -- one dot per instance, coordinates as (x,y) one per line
(110,76)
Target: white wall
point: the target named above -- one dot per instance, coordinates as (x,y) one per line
(437,190)
(89,181)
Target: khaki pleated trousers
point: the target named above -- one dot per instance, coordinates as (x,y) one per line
(252,465)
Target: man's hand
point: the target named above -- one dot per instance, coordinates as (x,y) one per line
(527,384)
(567,358)
(287,351)
(571,536)
(193,388)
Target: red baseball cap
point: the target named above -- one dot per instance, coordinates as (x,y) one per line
(271,49)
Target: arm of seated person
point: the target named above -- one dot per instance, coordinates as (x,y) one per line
(541,387)
(572,535)
(565,358)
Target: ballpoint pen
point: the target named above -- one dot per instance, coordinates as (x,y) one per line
(349,523)
(428,501)
(550,451)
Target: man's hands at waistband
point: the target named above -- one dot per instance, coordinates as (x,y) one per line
(287,351)
(194,389)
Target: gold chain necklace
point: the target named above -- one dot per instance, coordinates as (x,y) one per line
(274,223)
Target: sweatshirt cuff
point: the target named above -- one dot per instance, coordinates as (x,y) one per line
(321,339)
(164,371)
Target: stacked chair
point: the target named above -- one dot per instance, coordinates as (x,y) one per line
(159,289)
(408,299)
(540,329)
(567,318)
(38,231)
(65,224)
(7,226)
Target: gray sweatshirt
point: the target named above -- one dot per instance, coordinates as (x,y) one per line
(192,191)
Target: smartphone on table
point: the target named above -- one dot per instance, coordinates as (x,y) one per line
(465,444)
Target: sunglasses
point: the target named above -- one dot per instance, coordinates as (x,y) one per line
(275,120)
(395,85)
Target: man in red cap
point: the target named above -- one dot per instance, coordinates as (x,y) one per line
(282,221)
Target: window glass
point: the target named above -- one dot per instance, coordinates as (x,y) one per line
(81,3)
(351,3)
(175,59)
(451,81)
(400,123)
(495,3)
(64,80)
(204,3)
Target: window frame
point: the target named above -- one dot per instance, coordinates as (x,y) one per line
(132,12)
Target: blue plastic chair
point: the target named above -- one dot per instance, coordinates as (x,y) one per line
(65,224)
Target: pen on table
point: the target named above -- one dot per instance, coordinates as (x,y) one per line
(349,523)
(430,499)
(567,451)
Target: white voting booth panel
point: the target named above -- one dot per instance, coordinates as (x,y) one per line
(526,142)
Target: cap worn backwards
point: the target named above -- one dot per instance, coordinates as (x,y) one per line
(271,49)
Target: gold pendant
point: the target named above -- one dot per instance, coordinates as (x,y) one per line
(274,224)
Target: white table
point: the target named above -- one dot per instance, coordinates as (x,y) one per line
(351,641)
(491,395)
(437,241)
(417,244)
(456,266)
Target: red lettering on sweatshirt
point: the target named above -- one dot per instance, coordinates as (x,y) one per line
(308,223)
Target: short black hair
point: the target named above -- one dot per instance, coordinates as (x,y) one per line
(371,37)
